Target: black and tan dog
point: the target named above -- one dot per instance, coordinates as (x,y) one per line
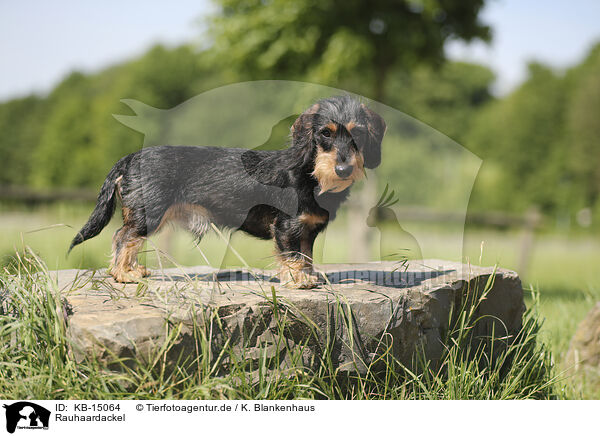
(287,195)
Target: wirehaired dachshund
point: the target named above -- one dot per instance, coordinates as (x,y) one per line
(287,195)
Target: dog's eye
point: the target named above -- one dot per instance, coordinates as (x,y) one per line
(326,133)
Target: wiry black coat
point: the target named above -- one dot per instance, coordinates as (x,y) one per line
(155,178)
(267,194)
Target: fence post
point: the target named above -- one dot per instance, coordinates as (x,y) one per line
(530,223)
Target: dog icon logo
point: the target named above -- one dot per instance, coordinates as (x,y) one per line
(26,415)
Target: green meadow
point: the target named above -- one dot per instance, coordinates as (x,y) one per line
(561,273)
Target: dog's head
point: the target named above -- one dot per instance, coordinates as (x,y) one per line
(338,137)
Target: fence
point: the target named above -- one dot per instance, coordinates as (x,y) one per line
(528,222)
(30,196)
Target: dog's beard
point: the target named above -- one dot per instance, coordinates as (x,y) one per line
(334,185)
(325,174)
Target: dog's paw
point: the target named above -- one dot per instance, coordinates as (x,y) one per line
(308,282)
(131,276)
(142,270)
(298,279)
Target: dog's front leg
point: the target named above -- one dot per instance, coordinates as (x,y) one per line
(294,246)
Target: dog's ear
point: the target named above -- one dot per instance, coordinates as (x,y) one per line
(302,136)
(375,130)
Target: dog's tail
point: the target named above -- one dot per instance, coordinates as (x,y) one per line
(105,205)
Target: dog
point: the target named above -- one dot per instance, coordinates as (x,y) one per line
(332,143)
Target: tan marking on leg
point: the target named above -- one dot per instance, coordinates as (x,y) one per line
(296,273)
(124,266)
(127,215)
(118,235)
(312,220)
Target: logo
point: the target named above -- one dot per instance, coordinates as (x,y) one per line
(26,415)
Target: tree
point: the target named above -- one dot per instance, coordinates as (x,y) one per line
(349,44)
(80,140)
(583,128)
(520,139)
(21,123)
(327,40)
(446,98)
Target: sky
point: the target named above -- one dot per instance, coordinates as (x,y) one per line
(556,32)
(41,42)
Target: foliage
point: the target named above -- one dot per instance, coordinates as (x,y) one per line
(21,123)
(326,41)
(583,129)
(522,135)
(538,144)
(72,139)
(447,97)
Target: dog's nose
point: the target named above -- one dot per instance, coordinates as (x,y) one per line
(343,170)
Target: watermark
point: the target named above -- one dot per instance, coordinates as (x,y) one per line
(387,274)
(419,168)
(25,415)
(280,161)
(160,417)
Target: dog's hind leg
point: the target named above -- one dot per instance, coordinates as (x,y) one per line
(124,266)
(127,241)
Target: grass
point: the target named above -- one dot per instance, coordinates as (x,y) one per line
(565,271)
(37,360)
(563,268)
